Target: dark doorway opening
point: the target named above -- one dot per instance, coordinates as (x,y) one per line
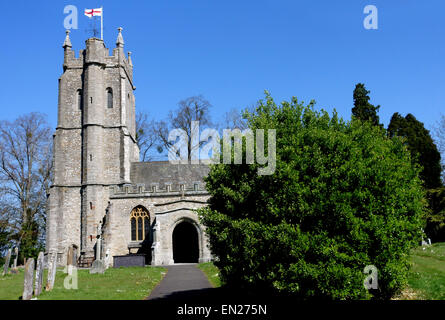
(185,243)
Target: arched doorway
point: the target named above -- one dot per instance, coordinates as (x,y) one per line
(185,243)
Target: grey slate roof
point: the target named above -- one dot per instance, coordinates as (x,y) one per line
(163,173)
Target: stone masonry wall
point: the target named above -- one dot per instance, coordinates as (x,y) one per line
(169,209)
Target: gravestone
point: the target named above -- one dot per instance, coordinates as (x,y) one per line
(70,257)
(6,266)
(39,275)
(107,258)
(69,269)
(16,254)
(99,242)
(129,260)
(52,267)
(97,267)
(29,276)
(75,256)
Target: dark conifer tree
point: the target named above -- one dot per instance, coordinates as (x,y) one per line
(421,145)
(362,109)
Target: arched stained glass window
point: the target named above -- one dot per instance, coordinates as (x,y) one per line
(140,223)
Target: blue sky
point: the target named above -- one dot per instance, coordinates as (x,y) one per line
(231,51)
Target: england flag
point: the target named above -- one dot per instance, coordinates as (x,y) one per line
(93,12)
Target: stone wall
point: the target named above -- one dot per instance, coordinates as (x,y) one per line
(165,209)
(64,220)
(166,221)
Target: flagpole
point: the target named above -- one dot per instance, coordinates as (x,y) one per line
(102,23)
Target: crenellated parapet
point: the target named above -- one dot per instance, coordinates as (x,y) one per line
(157,190)
(97,52)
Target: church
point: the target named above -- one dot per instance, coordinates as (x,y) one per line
(104,203)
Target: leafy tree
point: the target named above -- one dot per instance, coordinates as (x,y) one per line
(362,109)
(420,144)
(424,152)
(343,196)
(4,244)
(435,227)
(30,246)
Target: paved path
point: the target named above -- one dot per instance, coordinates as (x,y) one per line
(181,278)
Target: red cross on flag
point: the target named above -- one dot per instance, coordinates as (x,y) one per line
(93,12)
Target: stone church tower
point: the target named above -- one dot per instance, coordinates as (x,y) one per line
(100,190)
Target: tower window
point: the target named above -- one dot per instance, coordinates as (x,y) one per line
(140,224)
(109,98)
(79,99)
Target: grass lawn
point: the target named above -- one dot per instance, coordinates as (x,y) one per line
(211,272)
(427,276)
(426,280)
(133,283)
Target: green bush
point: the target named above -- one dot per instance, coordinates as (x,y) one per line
(435,227)
(343,196)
